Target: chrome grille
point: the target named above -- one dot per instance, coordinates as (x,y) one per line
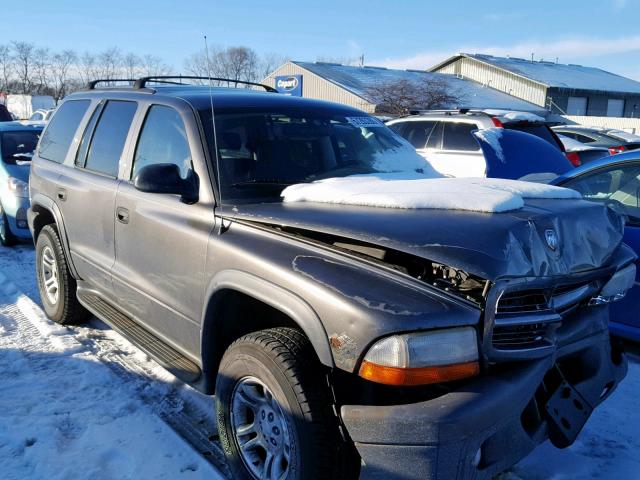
(525,318)
(529,335)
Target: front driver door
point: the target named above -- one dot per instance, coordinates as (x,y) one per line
(160,240)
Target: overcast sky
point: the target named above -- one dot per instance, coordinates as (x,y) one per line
(400,33)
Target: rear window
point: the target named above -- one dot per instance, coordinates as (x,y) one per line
(540,131)
(59,133)
(18,146)
(457,136)
(109,137)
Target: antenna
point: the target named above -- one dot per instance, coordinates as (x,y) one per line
(213,117)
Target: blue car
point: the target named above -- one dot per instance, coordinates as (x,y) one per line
(17,144)
(616,178)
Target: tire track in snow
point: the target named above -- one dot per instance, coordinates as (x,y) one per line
(186,411)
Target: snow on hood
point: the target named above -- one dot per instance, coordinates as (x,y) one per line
(409,191)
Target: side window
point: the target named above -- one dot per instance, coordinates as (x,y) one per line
(81,155)
(457,136)
(163,140)
(618,183)
(59,133)
(417,133)
(109,137)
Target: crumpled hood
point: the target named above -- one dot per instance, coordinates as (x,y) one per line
(518,243)
(19,171)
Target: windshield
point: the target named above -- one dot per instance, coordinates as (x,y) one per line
(18,146)
(261,152)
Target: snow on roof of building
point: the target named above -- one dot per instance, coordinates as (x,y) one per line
(561,75)
(359,80)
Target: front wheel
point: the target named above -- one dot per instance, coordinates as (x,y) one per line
(275,411)
(56,284)
(6,237)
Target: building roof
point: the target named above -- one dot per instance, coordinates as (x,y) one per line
(358,80)
(557,75)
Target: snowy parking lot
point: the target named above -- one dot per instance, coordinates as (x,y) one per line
(82,402)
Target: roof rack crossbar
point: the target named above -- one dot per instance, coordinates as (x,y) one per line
(92,84)
(142,82)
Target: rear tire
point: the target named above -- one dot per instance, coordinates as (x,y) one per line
(56,284)
(275,411)
(6,237)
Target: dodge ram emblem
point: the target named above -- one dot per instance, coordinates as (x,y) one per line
(552,239)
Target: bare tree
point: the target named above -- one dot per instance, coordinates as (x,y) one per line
(153,65)
(87,68)
(109,63)
(6,65)
(269,63)
(131,64)
(401,96)
(23,56)
(61,64)
(41,66)
(234,63)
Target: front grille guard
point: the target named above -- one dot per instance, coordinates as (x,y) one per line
(560,305)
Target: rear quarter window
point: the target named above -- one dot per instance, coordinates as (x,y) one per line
(457,136)
(58,135)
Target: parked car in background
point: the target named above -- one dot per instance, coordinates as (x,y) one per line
(581,153)
(41,115)
(616,179)
(17,144)
(340,341)
(444,137)
(597,137)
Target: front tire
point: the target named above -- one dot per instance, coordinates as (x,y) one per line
(6,237)
(56,284)
(275,410)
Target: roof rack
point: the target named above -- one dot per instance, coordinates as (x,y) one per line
(142,82)
(92,84)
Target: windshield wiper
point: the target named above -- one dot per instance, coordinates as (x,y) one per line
(263,183)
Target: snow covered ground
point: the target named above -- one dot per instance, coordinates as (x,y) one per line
(83,403)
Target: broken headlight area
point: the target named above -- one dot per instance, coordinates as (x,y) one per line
(449,279)
(616,288)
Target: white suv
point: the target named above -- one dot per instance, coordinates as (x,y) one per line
(444,138)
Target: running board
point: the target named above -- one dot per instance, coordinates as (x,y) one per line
(172,360)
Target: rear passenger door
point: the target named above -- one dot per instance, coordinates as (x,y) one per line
(160,240)
(458,154)
(87,191)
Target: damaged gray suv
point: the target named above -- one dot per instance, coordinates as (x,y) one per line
(340,341)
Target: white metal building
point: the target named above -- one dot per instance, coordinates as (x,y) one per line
(556,87)
(349,85)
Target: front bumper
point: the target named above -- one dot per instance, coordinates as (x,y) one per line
(499,416)
(16,210)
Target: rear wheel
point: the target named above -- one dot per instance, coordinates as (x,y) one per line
(56,284)
(275,410)
(6,237)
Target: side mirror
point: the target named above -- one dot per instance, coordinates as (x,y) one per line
(165,178)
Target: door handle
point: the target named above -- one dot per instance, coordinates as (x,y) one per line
(62,194)
(122,215)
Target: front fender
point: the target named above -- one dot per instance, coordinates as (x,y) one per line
(273,295)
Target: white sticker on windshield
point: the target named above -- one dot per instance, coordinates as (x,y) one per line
(364,122)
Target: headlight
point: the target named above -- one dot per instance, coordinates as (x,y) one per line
(423,358)
(18,187)
(616,288)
